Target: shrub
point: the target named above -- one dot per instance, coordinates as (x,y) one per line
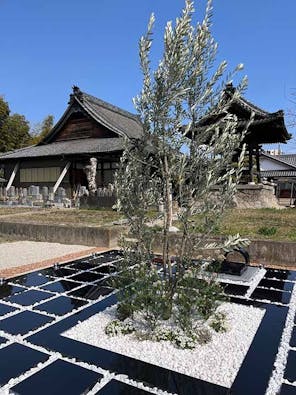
(117,327)
(267,231)
(218,322)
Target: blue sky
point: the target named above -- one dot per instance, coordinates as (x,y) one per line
(47,46)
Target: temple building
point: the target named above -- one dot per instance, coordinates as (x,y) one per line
(89,128)
(266,128)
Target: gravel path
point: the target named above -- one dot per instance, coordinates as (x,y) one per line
(23,256)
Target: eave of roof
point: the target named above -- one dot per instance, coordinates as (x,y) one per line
(70,147)
(241,107)
(278,173)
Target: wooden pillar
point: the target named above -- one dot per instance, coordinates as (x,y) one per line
(12,176)
(251,175)
(258,163)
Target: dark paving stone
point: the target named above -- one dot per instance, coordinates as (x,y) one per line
(235,289)
(31,279)
(287,390)
(61,305)
(16,359)
(91,292)
(59,378)
(290,372)
(281,274)
(115,387)
(84,265)
(271,295)
(8,290)
(29,297)
(293,337)
(4,309)
(61,286)
(281,285)
(3,340)
(23,322)
(106,269)
(87,277)
(63,272)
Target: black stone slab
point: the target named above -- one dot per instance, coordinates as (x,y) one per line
(87,277)
(84,265)
(4,309)
(16,359)
(281,285)
(234,289)
(9,289)
(281,274)
(115,387)
(91,292)
(61,286)
(63,272)
(290,372)
(271,295)
(29,297)
(58,378)
(23,322)
(3,340)
(61,305)
(287,390)
(106,269)
(31,279)
(293,337)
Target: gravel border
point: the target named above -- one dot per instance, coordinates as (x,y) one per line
(217,362)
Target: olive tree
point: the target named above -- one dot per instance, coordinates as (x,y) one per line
(175,160)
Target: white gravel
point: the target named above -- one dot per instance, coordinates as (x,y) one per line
(217,362)
(21,253)
(277,377)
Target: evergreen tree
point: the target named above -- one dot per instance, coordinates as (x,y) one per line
(14,129)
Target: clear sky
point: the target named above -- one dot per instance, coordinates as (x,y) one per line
(47,46)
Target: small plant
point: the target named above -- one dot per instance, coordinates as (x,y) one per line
(117,327)
(218,322)
(203,335)
(163,334)
(184,341)
(267,231)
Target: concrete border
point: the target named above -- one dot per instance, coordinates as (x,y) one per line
(262,252)
(106,237)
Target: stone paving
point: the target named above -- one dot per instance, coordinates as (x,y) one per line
(36,308)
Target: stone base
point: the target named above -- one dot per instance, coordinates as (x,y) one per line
(256,196)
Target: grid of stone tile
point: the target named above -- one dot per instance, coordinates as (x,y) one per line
(35,301)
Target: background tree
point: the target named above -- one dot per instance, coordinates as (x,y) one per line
(14,129)
(42,129)
(173,157)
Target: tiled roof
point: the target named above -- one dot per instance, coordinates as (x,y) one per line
(288,158)
(278,173)
(122,122)
(69,147)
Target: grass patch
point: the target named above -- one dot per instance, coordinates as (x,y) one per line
(72,217)
(265,224)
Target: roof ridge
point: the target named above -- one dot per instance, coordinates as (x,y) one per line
(110,106)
